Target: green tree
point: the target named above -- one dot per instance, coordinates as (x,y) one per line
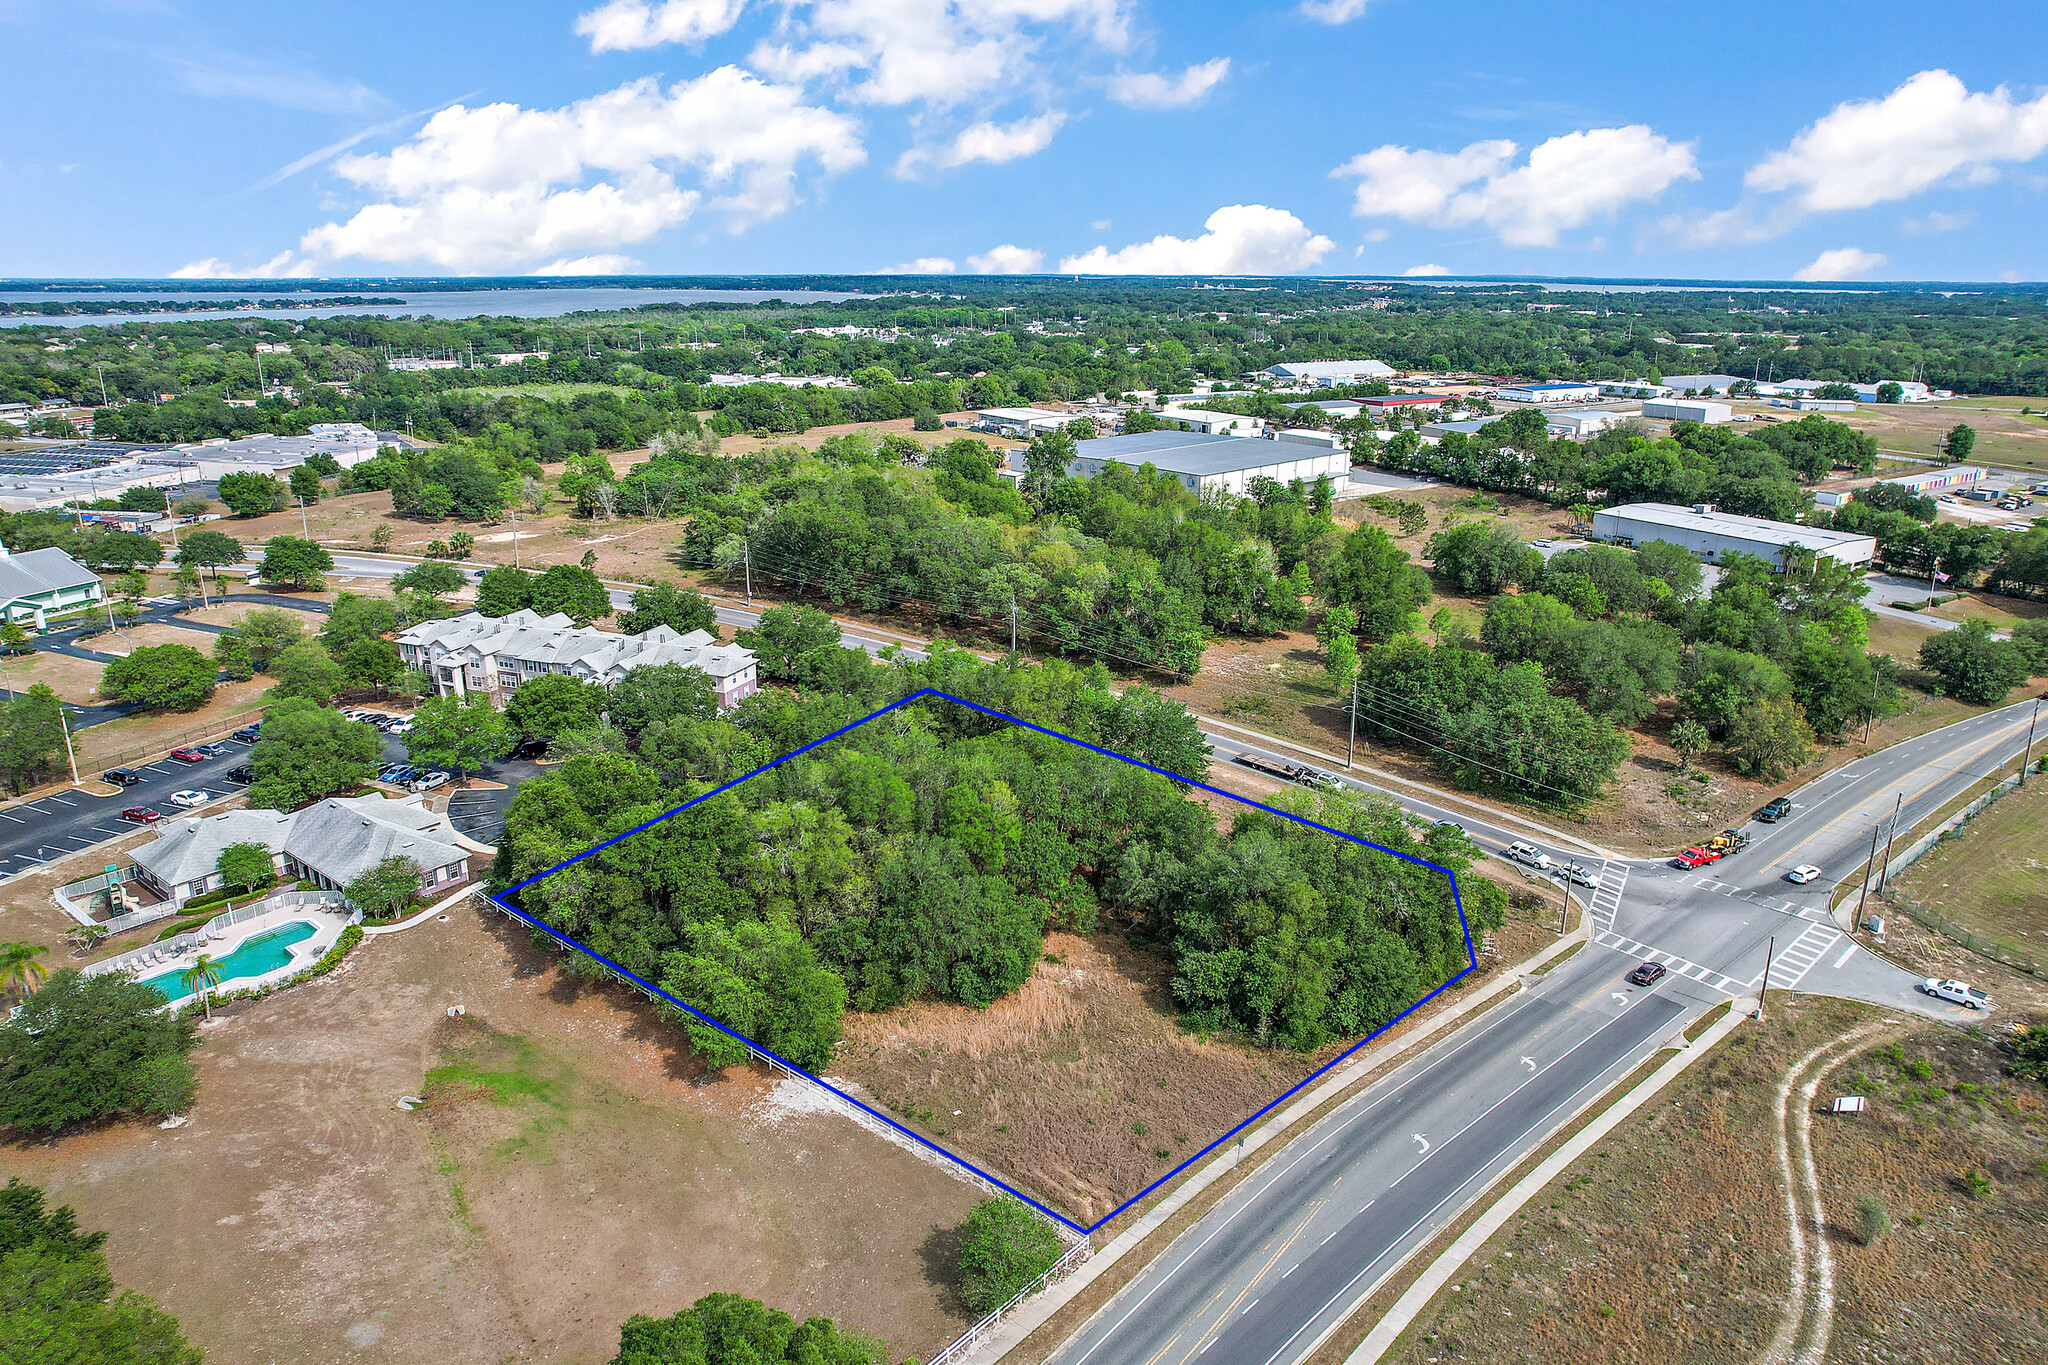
(1483,557)
(31,736)
(1770,738)
(431,579)
(460,734)
(765,983)
(1960,441)
(1152,728)
(1004,1247)
(231,652)
(1891,391)
(305,484)
(267,632)
(306,751)
(664,604)
(573,591)
(57,1302)
(306,670)
(21,967)
(252,495)
(213,550)
(387,888)
(553,703)
(294,562)
(357,616)
(161,677)
(1689,739)
(1972,666)
(247,865)
(200,978)
(504,590)
(191,507)
(653,693)
(2030,638)
(725,1329)
(92,1047)
(144,499)
(784,635)
(369,661)
(1372,576)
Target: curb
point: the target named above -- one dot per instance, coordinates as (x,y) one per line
(1029,1318)
(1433,1278)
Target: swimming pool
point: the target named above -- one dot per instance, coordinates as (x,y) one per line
(257,955)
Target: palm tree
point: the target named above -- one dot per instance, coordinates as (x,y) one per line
(202,976)
(19,969)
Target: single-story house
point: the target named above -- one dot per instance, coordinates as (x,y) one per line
(35,583)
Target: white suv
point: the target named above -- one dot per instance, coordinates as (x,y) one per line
(1968,996)
(1532,855)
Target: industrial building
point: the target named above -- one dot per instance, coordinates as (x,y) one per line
(1020,422)
(1933,481)
(1701,410)
(87,472)
(1309,436)
(1548,393)
(1205,423)
(1582,422)
(1711,534)
(1210,463)
(34,583)
(1326,374)
(1427,402)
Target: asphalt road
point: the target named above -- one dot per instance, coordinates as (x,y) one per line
(72,821)
(1261,1278)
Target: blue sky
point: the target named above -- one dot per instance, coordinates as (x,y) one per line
(1827,141)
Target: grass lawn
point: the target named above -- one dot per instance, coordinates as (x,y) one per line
(1992,877)
(2002,612)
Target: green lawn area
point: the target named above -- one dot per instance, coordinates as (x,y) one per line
(1992,878)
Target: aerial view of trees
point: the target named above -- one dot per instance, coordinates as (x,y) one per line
(61,1303)
(161,677)
(306,751)
(926,856)
(92,1047)
(726,1329)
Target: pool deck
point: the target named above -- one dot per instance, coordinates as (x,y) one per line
(327,918)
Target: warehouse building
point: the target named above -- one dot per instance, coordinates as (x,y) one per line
(1210,463)
(1579,423)
(1932,481)
(1711,534)
(1549,393)
(1427,402)
(1326,374)
(1203,422)
(1701,410)
(1020,422)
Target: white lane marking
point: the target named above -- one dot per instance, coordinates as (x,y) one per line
(1845,957)
(61,801)
(1424,1149)
(1248,1307)
(12,820)
(1290,1270)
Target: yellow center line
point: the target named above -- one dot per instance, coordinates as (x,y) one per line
(1230,1309)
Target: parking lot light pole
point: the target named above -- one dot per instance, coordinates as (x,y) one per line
(1765,989)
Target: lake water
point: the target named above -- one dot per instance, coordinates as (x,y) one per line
(451,303)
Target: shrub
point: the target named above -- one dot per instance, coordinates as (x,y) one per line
(1976,1184)
(1004,1246)
(1873,1219)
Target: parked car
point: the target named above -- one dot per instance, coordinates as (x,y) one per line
(187,755)
(214,748)
(1943,497)
(403,775)
(244,774)
(426,782)
(121,777)
(1962,994)
(1775,810)
(141,815)
(1646,974)
(536,746)
(186,800)
(247,734)
(398,727)
(1803,874)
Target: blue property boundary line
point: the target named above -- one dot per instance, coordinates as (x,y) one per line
(500,899)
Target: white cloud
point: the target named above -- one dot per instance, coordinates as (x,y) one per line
(1239,239)
(500,186)
(1841,263)
(1567,182)
(1417,271)
(1151,90)
(230,75)
(280,266)
(924,265)
(1099,225)
(1865,152)
(994,143)
(933,51)
(1007,260)
(1333,11)
(1376,234)
(610,264)
(622,25)
(1935,221)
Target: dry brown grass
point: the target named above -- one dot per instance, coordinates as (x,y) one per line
(1993,878)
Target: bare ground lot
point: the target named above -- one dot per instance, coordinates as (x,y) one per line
(1669,1242)
(2005,436)
(301,1216)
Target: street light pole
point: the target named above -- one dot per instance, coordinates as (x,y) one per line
(64,724)
(1765,990)
(2027,754)
(1865,892)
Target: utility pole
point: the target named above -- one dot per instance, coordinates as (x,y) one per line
(302,519)
(1765,989)
(64,723)
(1013,622)
(747,556)
(101,366)
(1351,753)
(515,537)
(1885,868)
(2027,754)
(1865,892)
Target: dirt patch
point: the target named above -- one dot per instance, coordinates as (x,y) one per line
(1668,1242)
(301,1216)
(74,680)
(2002,612)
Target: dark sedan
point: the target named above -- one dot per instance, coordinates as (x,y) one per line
(1646,974)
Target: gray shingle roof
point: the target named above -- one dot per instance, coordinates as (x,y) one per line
(340,838)
(554,640)
(32,573)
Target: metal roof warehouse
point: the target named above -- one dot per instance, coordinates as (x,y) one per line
(1210,462)
(1710,534)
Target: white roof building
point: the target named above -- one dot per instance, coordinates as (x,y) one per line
(1210,463)
(1328,373)
(1548,393)
(1711,534)
(1020,421)
(1703,410)
(494,654)
(1206,423)
(34,583)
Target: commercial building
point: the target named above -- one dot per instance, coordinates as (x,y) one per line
(1635,388)
(1700,385)
(1023,422)
(495,654)
(1205,423)
(1427,402)
(1310,436)
(1582,422)
(1334,407)
(330,843)
(89,471)
(1711,534)
(1688,410)
(1815,404)
(1210,463)
(1469,426)
(1548,393)
(36,583)
(1934,481)
(1326,374)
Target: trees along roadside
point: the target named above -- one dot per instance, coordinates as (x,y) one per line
(31,737)
(294,562)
